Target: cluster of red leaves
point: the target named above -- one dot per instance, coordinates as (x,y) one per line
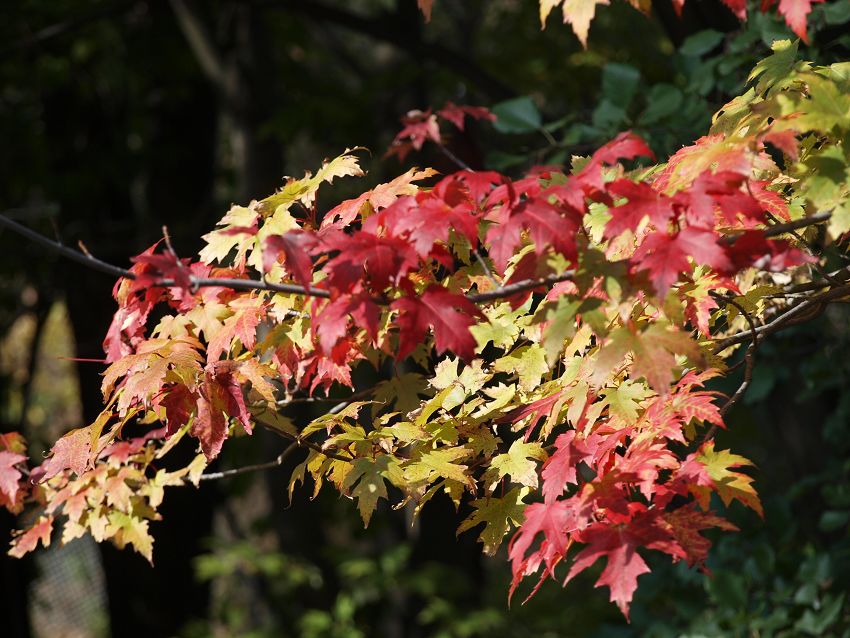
(625,506)
(381,271)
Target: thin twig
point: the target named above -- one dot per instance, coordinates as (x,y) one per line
(277,462)
(64,251)
(520,286)
(300,441)
(796,313)
(454,158)
(779,229)
(254,284)
(485,268)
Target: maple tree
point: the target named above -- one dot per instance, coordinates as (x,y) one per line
(545,339)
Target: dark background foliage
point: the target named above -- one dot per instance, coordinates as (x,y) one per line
(119,117)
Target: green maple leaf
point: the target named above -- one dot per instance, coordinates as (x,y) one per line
(304,189)
(370,488)
(729,485)
(502,327)
(125,529)
(402,391)
(497,514)
(438,463)
(529,364)
(624,400)
(825,108)
(774,71)
(519,462)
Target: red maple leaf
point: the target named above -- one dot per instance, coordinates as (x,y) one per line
(242,325)
(795,13)
(10,475)
(619,543)
(449,314)
(219,396)
(383,259)
(644,201)
(332,321)
(553,520)
(456,114)
(296,247)
(73,451)
(28,540)
(419,127)
(560,468)
(536,410)
(686,523)
(665,256)
(152,268)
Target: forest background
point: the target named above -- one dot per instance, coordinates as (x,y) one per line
(121,117)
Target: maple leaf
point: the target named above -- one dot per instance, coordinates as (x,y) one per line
(241,325)
(539,409)
(332,322)
(126,529)
(686,523)
(699,302)
(438,463)
(304,190)
(795,13)
(643,201)
(295,245)
(624,400)
(218,397)
(665,256)
(519,462)
(652,350)
(10,476)
(706,154)
(497,514)
(379,197)
(554,521)
(73,451)
(578,13)
(419,127)
(456,114)
(239,227)
(450,316)
(384,259)
(619,545)
(428,219)
(560,468)
(368,475)
(729,485)
(27,541)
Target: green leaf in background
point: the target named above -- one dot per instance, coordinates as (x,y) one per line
(662,101)
(835,12)
(519,115)
(700,43)
(619,83)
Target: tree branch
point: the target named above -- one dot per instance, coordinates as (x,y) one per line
(277,462)
(779,229)
(64,251)
(791,317)
(202,45)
